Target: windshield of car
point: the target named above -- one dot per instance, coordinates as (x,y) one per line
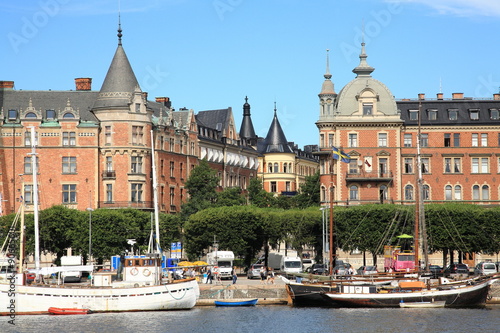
(293,264)
(489,266)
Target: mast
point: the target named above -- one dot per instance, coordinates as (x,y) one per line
(35,197)
(155,193)
(332,247)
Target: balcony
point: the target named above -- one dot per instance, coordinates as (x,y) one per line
(110,174)
(146,205)
(369,176)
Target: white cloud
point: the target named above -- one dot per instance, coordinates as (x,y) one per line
(466,8)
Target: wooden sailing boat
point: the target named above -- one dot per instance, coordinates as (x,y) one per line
(141,289)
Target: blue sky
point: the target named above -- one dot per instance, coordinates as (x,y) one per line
(210,54)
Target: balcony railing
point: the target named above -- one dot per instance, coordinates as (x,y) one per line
(369,176)
(127,204)
(110,174)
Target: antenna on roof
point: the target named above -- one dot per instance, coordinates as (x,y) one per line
(119,25)
(440,85)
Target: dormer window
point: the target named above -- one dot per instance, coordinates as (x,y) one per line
(494,115)
(50,114)
(367,109)
(453,114)
(413,114)
(12,114)
(474,114)
(69,115)
(432,114)
(30,115)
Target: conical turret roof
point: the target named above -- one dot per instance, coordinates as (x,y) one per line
(275,141)
(247,130)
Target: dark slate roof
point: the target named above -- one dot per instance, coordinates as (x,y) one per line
(443,106)
(81,101)
(120,82)
(215,119)
(275,141)
(247,130)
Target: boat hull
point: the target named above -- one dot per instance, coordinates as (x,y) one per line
(463,296)
(310,295)
(438,304)
(38,299)
(237,303)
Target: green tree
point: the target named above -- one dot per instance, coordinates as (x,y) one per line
(231,196)
(258,196)
(309,194)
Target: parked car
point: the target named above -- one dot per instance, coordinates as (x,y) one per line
(436,271)
(317,269)
(307,263)
(367,270)
(485,268)
(254,271)
(456,269)
(342,269)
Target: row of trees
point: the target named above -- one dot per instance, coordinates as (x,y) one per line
(246,223)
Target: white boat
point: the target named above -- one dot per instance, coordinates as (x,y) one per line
(431,304)
(141,287)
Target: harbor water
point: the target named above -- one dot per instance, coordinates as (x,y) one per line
(267,318)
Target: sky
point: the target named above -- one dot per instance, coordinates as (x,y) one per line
(210,54)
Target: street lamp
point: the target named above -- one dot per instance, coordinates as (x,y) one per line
(90,210)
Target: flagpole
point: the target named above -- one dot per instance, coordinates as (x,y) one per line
(332,247)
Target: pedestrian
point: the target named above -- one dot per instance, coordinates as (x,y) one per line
(209,276)
(270,276)
(233,273)
(263,275)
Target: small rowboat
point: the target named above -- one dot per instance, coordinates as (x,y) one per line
(250,302)
(433,304)
(68,311)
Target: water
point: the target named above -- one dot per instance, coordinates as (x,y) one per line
(267,319)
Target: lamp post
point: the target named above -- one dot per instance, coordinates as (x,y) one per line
(90,210)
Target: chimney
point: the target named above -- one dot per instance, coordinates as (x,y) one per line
(6,84)
(439,95)
(83,83)
(421,96)
(496,97)
(165,101)
(458,95)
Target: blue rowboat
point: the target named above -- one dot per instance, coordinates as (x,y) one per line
(250,302)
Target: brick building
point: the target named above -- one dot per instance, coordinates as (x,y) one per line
(459,144)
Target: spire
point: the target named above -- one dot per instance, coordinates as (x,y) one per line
(120,83)
(327,88)
(119,30)
(363,68)
(247,130)
(275,141)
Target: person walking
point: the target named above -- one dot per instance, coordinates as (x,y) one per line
(233,273)
(263,275)
(209,276)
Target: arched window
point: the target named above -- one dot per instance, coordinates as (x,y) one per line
(270,167)
(276,169)
(353,192)
(68,115)
(485,192)
(285,167)
(323,193)
(408,192)
(426,192)
(475,192)
(458,192)
(447,192)
(30,115)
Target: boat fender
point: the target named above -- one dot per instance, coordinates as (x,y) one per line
(146,272)
(134,271)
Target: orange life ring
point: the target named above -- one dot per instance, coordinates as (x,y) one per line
(146,272)
(134,271)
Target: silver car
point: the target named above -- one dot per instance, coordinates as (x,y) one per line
(254,271)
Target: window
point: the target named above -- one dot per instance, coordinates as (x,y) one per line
(408,192)
(109,163)
(27,138)
(69,139)
(50,114)
(480,193)
(137,135)
(475,139)
(484,139)
(383,193)
(172,169)
(285,167)
(353,140)
(413,114)
(69,165)
(452,165)
(171,144)
(273,187)
(28,194)
(447,139)
(382,166)
(485,192)
(172,196)
(136,165)
(447,192)
(367,109)
(382,139)
(456,139)
(109,192)
(480,165)
(407,140)
(270,167)
(107,135)
(426,192)
(30,115)
(353,192)
(69,193)
(474,114)
(12,114)
(353,166)
(181,170)
(424,140)
(453,114)
(28,166)
(288,187)
(425,164)
(458,192)
(137,107)
(330,140)
(322,140)
(408,162)
(276,169)
(136,193)
(494,115)
(68,115)
(432,114)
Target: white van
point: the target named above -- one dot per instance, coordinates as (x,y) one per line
(290,265)
(485,268)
